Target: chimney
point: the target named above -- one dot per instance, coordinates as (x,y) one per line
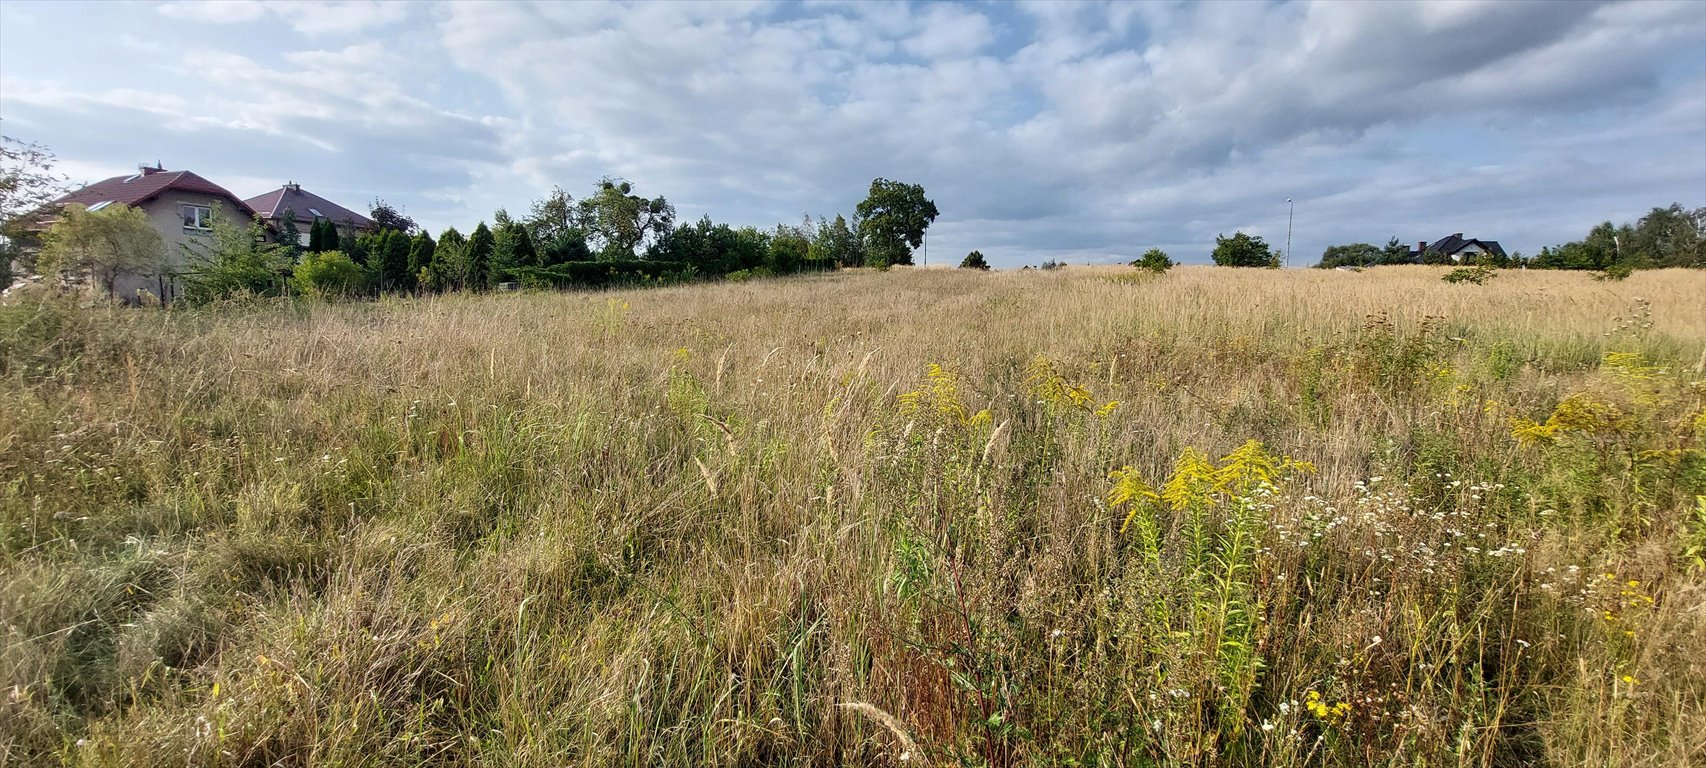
(1458,235)
(149,170)
(293,186)
(1421,245)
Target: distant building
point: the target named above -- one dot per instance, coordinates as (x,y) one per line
(1457,249)
(180,205)
(307,208)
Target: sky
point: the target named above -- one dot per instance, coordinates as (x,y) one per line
(1084,133)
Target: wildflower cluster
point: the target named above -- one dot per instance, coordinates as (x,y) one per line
(1051,388)
(940,396)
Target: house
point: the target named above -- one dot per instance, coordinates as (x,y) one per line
(1459,249)
(180,205)
(305,208)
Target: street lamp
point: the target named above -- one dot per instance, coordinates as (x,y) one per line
(1291,208)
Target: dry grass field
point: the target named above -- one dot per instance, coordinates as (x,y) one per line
(939,518)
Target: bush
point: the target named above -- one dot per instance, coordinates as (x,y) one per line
(1616,271)
(329,274)
(1154,260)
(974,260)
(1052,264)
(1478,275)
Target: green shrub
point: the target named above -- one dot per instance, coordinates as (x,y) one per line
(1155,260)
(329,274)
(1478,274)
(1616,271)
(600,274)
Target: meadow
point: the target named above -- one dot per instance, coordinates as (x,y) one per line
(1215,517)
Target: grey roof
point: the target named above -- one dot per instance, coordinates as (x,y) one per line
(1455,242)
(306,205)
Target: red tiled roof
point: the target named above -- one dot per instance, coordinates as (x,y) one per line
(143,186)
(292,197)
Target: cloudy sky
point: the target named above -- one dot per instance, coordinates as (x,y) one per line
(1082,132)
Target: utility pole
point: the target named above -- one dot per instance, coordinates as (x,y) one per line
(1291,208)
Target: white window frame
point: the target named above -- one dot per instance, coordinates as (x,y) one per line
(202,217)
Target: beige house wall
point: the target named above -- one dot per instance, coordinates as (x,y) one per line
(165,213)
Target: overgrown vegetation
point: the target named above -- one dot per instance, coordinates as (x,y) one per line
(926,519)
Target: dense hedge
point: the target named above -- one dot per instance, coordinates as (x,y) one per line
(599,274)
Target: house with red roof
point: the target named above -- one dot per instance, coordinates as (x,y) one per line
(180,205)
(293,202)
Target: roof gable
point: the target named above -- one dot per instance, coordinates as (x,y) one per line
(148,184)
(307,207)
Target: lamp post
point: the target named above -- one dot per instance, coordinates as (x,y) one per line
(1290,208)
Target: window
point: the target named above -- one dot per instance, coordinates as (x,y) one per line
(100,205)
(198,217)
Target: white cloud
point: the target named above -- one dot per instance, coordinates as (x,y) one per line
(310,17)
(217,11)
(1043,129)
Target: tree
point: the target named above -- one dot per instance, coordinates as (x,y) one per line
(421,249)
(553,216)
(556,226)
(387,217)
(1353,255)
(355,245)
(619,222)
(1241,250)
(236,260)
(837,242)
(1394,252)
(1155,260)
(113,242)
(27,184)
(289,235)
(1670,237)
(477,259)
(317,236)
(390,261)
(449,258)
(892,219)
(512,248)
(974,260)
(789,248)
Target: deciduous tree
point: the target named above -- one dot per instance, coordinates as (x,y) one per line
(1241,250)
(107,244)
(388,217)
(618,221)
(27,184)
(892,219)
(236,260)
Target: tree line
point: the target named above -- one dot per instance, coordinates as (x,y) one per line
(613,236)
(1666,237)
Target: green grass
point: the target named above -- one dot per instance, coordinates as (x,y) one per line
(750,524)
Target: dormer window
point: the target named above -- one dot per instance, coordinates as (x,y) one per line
(198,217)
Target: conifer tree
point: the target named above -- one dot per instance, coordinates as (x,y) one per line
(448,260)
(421,249)
(478,260)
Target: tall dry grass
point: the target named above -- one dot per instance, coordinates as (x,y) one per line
(748,524)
